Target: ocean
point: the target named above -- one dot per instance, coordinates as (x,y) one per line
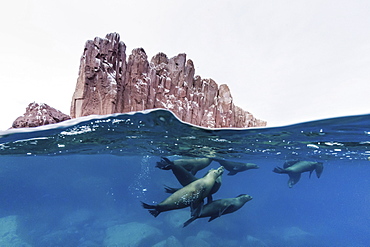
(82,183)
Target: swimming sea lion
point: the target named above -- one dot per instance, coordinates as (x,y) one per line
(185,177)
(235,167)
(220,207)
(294,169)
(191,195)
(214,189)
(193,165)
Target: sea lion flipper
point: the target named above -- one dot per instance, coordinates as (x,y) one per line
(167,160)
(293,179)
(193,171)
(309,176)
(213,217)
(279,170)
(221,212)
(152,209)
(232,173)
(319,169)
(164,164)
(189,221)
(209,199)
(196,208)
(290,163)
(170,190)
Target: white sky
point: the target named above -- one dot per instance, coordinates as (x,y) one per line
(285,61)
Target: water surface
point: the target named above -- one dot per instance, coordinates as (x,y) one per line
(80,183)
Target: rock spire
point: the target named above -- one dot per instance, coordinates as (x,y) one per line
(108,83)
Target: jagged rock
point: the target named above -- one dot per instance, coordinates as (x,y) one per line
(39,114)
(101,75)
(107,83)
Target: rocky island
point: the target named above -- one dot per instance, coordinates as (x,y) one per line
(39,114)
(109,83)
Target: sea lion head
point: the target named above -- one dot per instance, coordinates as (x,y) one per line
(251,166)
(217,173)
(244,197)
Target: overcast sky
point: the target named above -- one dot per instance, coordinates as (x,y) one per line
(284,61)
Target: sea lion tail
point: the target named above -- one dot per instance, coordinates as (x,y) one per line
(152,209)
(164,164)
(189,221)
(279,170)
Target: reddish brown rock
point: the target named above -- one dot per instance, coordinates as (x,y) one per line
(101,75)
(39,114)
(107,83)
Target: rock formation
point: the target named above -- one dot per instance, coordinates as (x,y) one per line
(39,114)
(107,83)
(8,232)
(130,234)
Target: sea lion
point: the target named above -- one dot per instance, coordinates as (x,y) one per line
(221,207)
(193,165)
(191,195)
(214,189)
(185,177)
(235,167)
(294,168)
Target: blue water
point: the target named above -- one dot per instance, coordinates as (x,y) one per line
(81,183)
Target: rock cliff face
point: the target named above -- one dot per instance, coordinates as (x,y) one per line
(108,83)
(39,114)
